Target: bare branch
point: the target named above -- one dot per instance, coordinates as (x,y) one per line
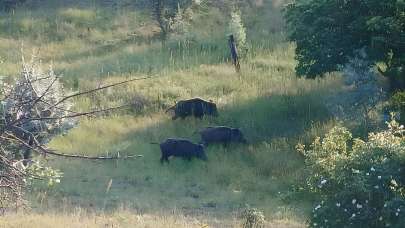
(40,149)
(39,79)
(34,101)
(78,114)
(60,109)
(90,158)
(99,88)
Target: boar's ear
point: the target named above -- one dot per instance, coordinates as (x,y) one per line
(211,101)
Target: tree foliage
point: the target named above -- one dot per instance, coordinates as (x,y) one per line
(328,32)
(7,5)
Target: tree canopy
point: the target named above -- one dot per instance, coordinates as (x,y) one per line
(10,4)
(330,32)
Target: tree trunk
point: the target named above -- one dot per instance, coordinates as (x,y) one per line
(158,12)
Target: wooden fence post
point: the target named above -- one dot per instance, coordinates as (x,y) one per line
(234,53)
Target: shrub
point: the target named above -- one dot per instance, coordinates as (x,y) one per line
(359,183)
(252,218)
(30,113)
(397,103)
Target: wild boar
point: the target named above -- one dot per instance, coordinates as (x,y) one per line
(181,148)
(221,134)
(196,107)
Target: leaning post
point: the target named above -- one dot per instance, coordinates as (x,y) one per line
(234,53)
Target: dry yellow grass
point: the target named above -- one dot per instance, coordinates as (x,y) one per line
(79,218)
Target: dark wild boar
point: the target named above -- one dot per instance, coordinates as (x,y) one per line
(181,148)
(221,134)
(196,107)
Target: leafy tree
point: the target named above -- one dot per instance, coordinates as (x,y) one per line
(329,32)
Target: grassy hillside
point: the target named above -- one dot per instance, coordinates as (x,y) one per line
(94,44)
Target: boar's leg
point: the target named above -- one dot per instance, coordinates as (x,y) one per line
(164,158)
(188,157)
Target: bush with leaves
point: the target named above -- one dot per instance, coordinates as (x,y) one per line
(359,183)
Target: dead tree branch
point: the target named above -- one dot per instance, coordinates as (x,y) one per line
(98,89)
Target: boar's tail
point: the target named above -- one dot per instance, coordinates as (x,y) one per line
(171,108)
